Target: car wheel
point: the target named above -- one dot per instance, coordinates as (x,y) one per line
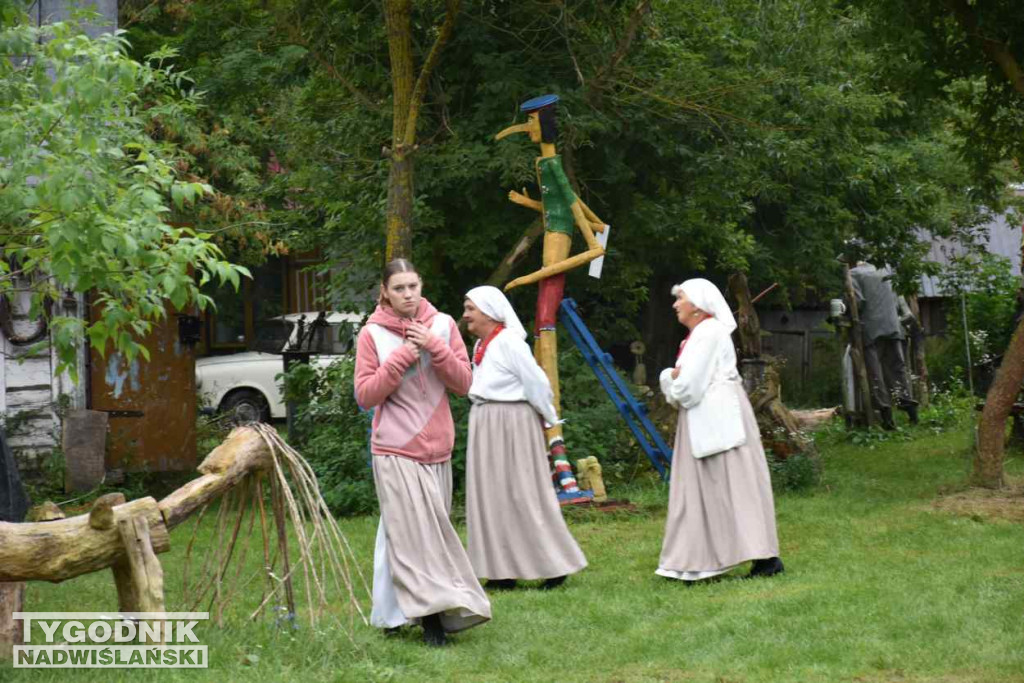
(245,406)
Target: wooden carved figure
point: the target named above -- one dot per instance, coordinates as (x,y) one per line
(562,212)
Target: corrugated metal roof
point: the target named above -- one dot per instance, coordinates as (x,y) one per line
(1004,239)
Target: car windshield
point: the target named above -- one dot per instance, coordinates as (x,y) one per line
(331,338)
(272,336)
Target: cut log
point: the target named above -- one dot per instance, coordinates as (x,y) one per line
(812,419)
(59,550)
(242,453)
(63,549)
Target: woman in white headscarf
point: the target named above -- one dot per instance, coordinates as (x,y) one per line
(515,525)
(721,512)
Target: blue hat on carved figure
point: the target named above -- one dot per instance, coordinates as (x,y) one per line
(544,106)
(538,103)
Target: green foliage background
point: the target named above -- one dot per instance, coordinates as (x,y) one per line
(711,136)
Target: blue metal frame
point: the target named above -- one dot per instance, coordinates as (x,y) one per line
(632,411)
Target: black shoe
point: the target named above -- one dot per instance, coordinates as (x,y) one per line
(911,413)
(433,631)
(392,632)
(500,584)
(552,583)
(767,567)
(888,423)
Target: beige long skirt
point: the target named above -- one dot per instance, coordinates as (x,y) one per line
(721,511)
(423,568)
(515,525)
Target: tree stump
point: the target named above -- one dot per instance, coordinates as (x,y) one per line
(780,431)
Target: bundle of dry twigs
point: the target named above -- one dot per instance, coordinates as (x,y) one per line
(328,567)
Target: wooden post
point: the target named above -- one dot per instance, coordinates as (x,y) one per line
(12,597)
(139,577)
(501,274)
(860,372)
(917,351)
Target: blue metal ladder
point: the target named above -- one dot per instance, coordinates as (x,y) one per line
(632,411)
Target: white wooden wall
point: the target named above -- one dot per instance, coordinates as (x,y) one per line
(30,391)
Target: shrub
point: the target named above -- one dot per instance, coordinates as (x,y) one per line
(331,433)
(798,472)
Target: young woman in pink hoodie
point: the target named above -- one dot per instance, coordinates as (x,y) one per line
(408,357)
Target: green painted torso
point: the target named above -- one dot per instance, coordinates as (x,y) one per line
(556,195)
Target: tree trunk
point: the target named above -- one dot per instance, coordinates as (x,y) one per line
(408,91)
(748,326)
(501,274)
(398,18)
(988,460)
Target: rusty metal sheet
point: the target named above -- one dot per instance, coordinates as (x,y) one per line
(151,405)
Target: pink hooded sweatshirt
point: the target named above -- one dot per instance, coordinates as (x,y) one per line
(413,418)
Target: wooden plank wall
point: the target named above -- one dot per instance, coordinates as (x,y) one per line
(30,391)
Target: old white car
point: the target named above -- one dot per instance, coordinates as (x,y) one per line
(245,385)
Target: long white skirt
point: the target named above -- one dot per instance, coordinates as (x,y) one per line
(514,523)
(721,511)
(419,564)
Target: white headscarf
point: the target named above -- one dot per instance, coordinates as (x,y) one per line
(492,302)
(704,295)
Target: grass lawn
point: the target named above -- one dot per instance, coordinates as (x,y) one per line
(881,585)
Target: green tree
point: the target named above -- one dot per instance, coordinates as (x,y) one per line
(87,197)
(972,53)
(712,136)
